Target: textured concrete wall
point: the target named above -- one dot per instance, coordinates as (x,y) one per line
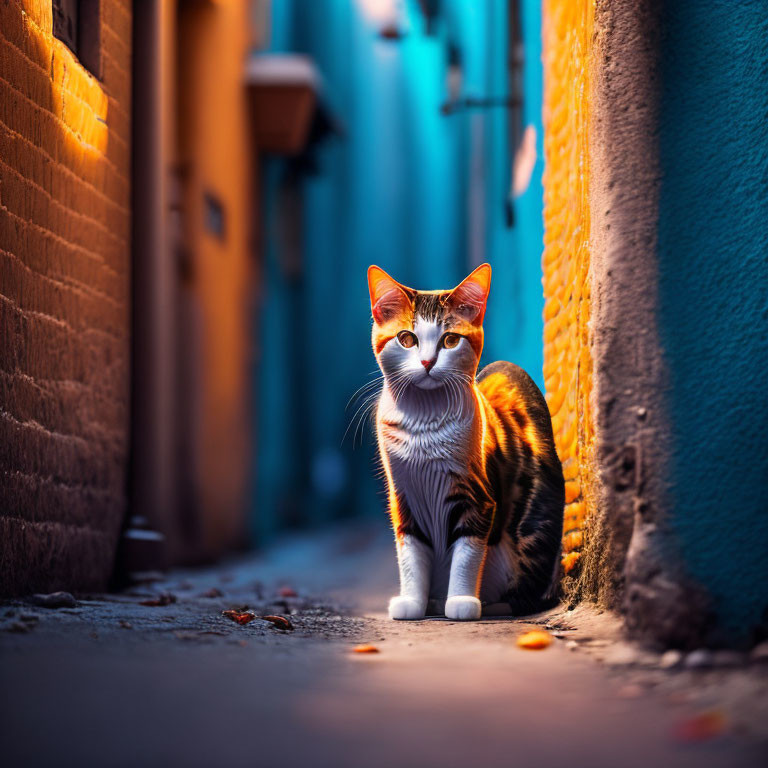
(669,250)
(630,563)
(602,193)
(64,234)
(567,35)
(713,297)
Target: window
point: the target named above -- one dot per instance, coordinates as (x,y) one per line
(214,215)
(77,23)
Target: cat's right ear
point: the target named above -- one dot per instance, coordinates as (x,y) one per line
(388,298)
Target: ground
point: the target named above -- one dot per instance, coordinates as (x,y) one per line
(113,682)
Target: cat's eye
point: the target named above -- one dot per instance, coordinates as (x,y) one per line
(407,339)
(451,340)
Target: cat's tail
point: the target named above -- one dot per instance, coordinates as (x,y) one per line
(521,607)
(519,602)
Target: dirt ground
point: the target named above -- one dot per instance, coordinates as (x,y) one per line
(114,682)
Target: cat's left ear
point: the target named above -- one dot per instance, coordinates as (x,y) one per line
(388,297)
(469,297)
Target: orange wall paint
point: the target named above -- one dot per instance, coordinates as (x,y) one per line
(567,32)
(215,157)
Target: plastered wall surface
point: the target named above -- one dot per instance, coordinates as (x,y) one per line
(713,297)
(216,155)
(64,238)
(658,286)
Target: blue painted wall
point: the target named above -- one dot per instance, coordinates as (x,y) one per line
(713,294)
(417,192)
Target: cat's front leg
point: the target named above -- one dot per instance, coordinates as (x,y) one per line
(464,584)
(414,559)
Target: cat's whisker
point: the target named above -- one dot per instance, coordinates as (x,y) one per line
(366,404)
(364,389)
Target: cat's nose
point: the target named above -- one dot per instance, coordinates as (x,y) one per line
(428,364)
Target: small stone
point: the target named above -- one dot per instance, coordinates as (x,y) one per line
(212,592)
(760,653)
(572,645)
(55,600)
(698,659)
(671,659)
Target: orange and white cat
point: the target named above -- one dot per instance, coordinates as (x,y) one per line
(475,487)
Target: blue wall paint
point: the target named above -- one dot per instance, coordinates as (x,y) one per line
(713,294)
(396,191)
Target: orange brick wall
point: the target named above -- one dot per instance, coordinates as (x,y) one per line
(64,291)
(566,261)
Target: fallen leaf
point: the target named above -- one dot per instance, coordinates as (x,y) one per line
(365,648)
(280,622)
(701,727)
(536,640)
(287,592)
(240,617)
(165,599)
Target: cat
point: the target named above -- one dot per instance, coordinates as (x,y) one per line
(475,486)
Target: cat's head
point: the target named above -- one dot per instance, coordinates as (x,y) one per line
(426,338)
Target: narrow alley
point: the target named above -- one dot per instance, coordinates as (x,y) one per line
(114,682)
(310,304)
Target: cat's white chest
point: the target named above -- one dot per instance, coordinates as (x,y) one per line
(425,456)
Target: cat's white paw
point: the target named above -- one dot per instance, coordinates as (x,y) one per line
(463,608)
(404,608)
